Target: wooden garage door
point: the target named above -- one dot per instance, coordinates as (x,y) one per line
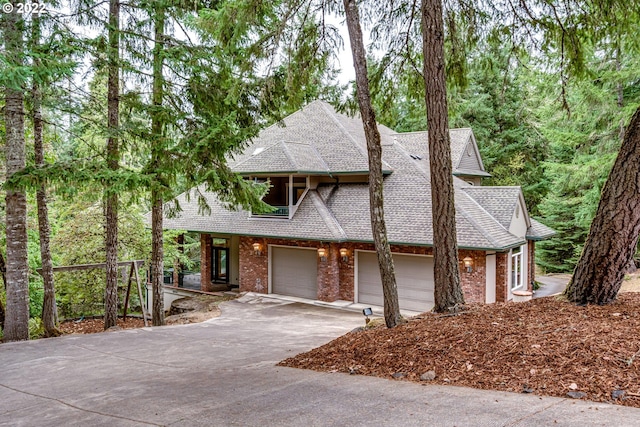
(414,276)
(294,271)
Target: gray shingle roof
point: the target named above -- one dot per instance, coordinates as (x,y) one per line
(317,140)
(337,144)
(500,202)
(539,231)
(311,221)
(416,143)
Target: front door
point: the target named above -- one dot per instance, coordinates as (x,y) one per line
(220,265)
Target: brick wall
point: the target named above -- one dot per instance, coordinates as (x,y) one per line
(206,242)
(346,274)
(474,284)
(329,274)
(254,268)
(502,259)
(531,262)
(335,277)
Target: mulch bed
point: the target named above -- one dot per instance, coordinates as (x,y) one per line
(545,346)
(92,326)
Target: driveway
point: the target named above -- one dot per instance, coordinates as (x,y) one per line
(222,373)
(552,284)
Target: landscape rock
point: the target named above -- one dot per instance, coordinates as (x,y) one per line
(428,376)
(618,394)
(577,394)
(399,375)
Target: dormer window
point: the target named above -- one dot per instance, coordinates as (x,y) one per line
(285,195)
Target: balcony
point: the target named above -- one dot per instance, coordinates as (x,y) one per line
(279,212)
(284,195)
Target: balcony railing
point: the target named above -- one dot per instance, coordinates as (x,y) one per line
(280,212)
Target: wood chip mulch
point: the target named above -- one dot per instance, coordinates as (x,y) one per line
(545,346)
(92,326)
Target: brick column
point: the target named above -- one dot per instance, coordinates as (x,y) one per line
(531,263)
(254,269)
(501,276)
(205,262)
(329,274)
(474,284)
(346,275)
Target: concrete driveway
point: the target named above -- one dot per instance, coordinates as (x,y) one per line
(222,373)
(552,284)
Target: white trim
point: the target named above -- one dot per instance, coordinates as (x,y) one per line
(523,270)
(269,270)
(490,273)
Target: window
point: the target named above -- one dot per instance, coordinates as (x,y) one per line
(219,261)
(516,268)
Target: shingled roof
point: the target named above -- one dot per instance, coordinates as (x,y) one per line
(319,141)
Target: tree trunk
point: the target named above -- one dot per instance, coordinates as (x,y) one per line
(448,293)
(157,264)
(3,270)
(49,308)
(378,226)
(614,232)
(157,252)
(113,157)
(16,325)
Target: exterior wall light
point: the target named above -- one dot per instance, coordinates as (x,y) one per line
(468,264)
(344,254)
(257,249)
(322,253)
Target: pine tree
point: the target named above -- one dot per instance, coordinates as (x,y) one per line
(16,325)
(113,158)
(392,314)
(447,291)
(49,309)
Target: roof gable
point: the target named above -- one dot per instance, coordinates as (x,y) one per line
(314,139)
(320,141)
(465,156)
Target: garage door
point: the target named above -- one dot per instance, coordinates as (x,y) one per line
(294,271)
(414,276)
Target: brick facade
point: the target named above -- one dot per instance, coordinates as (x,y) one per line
(531,262)
(336,277)
(474,284)
(254,268)
(206,243)
(502,291)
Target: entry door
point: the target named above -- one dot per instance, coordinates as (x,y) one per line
(220,265)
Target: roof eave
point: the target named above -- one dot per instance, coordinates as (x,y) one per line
(472,173)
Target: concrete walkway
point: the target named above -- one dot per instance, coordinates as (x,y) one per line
(222,373)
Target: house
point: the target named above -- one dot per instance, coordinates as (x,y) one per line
(317,244)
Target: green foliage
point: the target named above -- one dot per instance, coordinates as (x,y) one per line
(36,328)
(496,106)
(584,144)
(80,240)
